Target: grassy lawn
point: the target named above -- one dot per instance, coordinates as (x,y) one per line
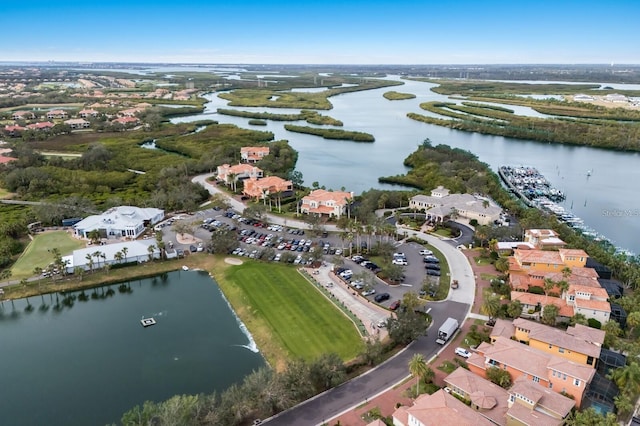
(447,366)
(482,261)
(287,316)
(37,253)
(488,277)
(4,193)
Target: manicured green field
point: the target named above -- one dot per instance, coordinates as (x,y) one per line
(304,321)
(37,253)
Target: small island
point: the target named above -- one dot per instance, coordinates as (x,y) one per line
(397,96)
(332,133)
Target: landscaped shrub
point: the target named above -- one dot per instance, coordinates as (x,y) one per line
(594,323)
(535,290)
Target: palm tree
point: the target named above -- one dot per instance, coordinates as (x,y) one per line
(89,258)
(549,285)
(151,249)
(418,368)
(491,306)
(97,254)
(103,256)
(78,271)
(118,256)
(627,378)
(124,253)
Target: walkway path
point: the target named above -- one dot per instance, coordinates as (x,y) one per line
(369,313)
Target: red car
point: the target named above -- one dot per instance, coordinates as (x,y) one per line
(395,305)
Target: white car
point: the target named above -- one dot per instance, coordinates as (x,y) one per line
(426,252)
(369,292)
(463,352)
(399,261)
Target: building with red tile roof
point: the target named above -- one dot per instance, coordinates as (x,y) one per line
(13,130)
(5,160)
(57,113)
(264,187)
(557,342)
(253,154)
(126,120)
(519,360)
(544,239)
(88,113)
(77,123)
(533,405)
(45,125)
(23,115)
(440,408)
(323,202)
(231,174)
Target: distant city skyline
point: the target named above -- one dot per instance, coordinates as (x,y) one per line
(330,32)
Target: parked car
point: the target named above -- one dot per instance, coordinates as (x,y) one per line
(399,261)
(433,266)
(431,259)
(433,272)
(463,352)
(369,292)
(382,297)
(425,252)
(395,305)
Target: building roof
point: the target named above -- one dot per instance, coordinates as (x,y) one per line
(543,397)
(596,291)
(41,125)
(531,299)
(573,252)
(596,305)
(119,218)
(322,196)
(533,361)
(557,337)
(5,160)
(134,249)
(441,408)
(76,121)
(538,256)
(541,233)
(512,245)
(503,328)
(491,398)
(443,206)
(530,417)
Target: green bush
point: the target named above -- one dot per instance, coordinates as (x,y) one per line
(535,290)
(594,323)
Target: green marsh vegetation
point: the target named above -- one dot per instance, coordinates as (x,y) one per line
(311,117)
(397,96)
(575,123)
(331,133)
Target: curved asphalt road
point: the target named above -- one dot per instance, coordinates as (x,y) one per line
(333,402)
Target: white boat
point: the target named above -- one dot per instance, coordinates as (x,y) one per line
(146,322)
(185,268)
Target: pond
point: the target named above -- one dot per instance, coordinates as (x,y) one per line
(84,358)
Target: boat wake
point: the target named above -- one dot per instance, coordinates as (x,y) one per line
(252,343)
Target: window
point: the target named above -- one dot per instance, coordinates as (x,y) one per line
(564,377)
(590,360)
(512,398)
(550,345)
(536,379)
(576,382)
(550,385)
(561,350)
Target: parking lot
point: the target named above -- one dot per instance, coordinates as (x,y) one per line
(272,242)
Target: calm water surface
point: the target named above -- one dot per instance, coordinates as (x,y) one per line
(88,363)
(357,166)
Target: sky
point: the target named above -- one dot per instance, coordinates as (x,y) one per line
(328,32)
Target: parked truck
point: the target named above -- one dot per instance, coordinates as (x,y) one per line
(447,330)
